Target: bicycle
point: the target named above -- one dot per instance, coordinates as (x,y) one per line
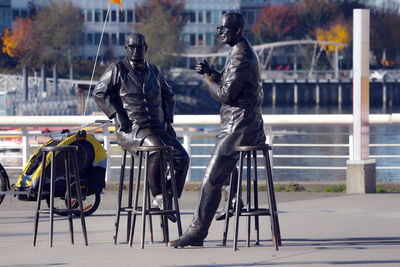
(92,160)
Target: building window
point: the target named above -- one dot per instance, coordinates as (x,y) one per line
(137,17)
(97,36)
(24,13)
(113,38)
(97,14)
(104,14)
(192,16)
(209,39)
(113,15)
(200,39)
(185,38)
(208,16)
(106,39)
(89,38)
(129,15)
(192,39)
(122,39)
(15,14)
(89,15)
(217,15)
(122,16)
(200,16)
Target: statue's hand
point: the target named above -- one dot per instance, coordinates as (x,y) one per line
(170,129)
(125,124)
(203,67)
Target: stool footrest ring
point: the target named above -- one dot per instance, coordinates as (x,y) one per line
(255,212)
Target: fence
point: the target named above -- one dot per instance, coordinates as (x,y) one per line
(314,144)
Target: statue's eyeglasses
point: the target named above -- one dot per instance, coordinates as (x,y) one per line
(133,46)
(222,28)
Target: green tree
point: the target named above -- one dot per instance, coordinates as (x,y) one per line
(313,14)
(162,22)
(385,36)
(58,29)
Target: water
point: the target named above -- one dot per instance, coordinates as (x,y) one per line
(312,134)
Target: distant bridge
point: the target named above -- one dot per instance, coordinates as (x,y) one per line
(265,58)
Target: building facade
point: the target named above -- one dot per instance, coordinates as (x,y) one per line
(5,14)
(199,34)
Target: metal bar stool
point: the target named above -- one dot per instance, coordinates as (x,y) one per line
(69,159)
(248,151)
(166,160)
(129,207)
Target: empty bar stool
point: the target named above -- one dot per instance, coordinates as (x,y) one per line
(248,210)
(70,159)
(129,207)
(166,166)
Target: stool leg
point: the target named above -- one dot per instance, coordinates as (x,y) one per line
(227,208)
(120,190)
(79,196)
(175,193)
(129,219)
(248,155)
(39,197)
(150,218)
(255,186)
(52,178)
(135,203)
(68,193)
(164,194)
(271,200)
(277,228)
(238,197)
(144,208)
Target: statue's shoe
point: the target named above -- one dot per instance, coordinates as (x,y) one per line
(187,239)
(221,216)
(158,203)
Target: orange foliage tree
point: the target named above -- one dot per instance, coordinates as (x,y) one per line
(275,23)
(19,43)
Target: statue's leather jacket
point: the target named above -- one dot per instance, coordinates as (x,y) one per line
(239,89)
(148,105)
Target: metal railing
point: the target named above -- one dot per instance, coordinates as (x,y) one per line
(20,136)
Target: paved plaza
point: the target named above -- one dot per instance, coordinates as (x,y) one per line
(318,229)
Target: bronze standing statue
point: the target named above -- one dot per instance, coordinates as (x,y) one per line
(135,94)
(238,87)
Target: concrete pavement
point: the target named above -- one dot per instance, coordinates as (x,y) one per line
(318,229)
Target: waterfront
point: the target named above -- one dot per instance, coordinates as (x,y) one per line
(314,150)
(320,164)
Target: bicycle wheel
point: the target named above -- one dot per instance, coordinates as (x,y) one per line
(90,202)
(59,204)
(3,182)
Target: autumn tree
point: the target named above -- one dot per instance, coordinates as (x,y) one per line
(275,23)
(161,22)
(20,43)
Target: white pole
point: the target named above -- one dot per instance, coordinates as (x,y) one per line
(360,171)
(361,84)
